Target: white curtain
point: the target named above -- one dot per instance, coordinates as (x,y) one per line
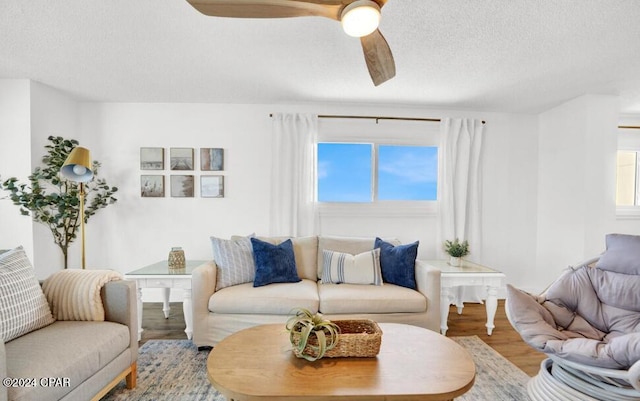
(460,181)
(293,174)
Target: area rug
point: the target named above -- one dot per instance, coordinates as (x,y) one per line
(171,370)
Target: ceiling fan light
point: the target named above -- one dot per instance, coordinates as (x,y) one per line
(360,18)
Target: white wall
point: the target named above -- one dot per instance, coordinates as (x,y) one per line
(576,181)
(15,160)
(53,113)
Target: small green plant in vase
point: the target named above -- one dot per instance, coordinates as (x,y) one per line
(311,334)
(456,250)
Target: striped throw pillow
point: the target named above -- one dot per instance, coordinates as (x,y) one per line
(363,268)
(23,306)
(234,259)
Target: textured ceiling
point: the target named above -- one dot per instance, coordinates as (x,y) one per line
(493,55)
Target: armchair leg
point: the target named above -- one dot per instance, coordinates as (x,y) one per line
(132,376)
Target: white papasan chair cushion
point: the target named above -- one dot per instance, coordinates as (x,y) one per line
(589,315)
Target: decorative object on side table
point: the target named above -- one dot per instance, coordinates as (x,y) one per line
(313,337)
(456,250)
(176,258)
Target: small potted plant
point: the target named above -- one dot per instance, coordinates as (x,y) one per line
(311,334)
(456,250)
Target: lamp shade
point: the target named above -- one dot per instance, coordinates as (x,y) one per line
(77,167)
(360,18)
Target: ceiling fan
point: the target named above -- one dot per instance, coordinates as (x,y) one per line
(359,18)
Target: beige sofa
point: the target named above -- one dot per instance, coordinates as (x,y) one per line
(217,314)
(83,359)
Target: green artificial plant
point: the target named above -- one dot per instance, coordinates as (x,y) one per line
(456,248)
(311,334)
(53,200)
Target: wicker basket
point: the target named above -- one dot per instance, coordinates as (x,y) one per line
(358,338)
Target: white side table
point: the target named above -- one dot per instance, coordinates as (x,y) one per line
(158,275)
(468,273)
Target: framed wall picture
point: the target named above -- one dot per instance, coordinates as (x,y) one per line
(152,186)
(182,186)
(181,158)
(212,186)
(151,158)
(211,159)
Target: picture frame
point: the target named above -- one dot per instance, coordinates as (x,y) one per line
(182,186)
(181,158)
(212,186)
(152,186)
(151,158)
(211,159)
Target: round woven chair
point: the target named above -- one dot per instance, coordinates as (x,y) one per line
(588,323)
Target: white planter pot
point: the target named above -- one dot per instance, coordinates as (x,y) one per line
(454,261)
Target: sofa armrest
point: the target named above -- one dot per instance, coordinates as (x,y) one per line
(428,283)
(119,299)
(203,285)
(3,371)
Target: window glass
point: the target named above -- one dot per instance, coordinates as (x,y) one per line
(403,173)
(344,172)
(627,178)
(407,173)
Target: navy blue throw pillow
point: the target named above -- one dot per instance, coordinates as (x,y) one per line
(398,263)
(274,263)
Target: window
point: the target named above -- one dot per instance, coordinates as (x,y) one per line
(627,191)
(364,172)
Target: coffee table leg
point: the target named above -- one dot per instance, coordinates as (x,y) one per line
(188,313)
(459,302)
(445,300)
(492,306)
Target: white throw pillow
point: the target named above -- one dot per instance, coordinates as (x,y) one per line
(23,306)
(340,267)
(234,259)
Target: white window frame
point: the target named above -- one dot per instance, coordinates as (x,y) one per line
(629,141)
(383,132)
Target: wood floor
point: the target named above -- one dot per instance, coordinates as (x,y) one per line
(504,339)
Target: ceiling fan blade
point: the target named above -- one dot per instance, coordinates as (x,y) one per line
(377,54)
(268,8)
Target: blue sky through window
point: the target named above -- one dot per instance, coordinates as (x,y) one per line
(407,172)
(404,172)
(344,172)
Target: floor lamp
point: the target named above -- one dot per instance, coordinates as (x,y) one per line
(77,168)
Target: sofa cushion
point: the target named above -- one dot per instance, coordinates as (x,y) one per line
(352,245)
(274,263)
(234,259)
(74,350)
(353,298)
(274,299)
(622,254)
(305,250)
(398,263)
(23,306)
(363,268)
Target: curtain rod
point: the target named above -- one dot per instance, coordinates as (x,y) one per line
(629,126)
(378,118)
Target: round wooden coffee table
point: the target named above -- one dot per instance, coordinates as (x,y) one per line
(413,364)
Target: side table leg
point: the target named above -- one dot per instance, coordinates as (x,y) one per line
(166,292)
(492,306)
(188,313)
(139,291)
(459,302)
(445,296)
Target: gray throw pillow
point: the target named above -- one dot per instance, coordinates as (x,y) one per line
(622,254)
(23,306)
(235,261)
